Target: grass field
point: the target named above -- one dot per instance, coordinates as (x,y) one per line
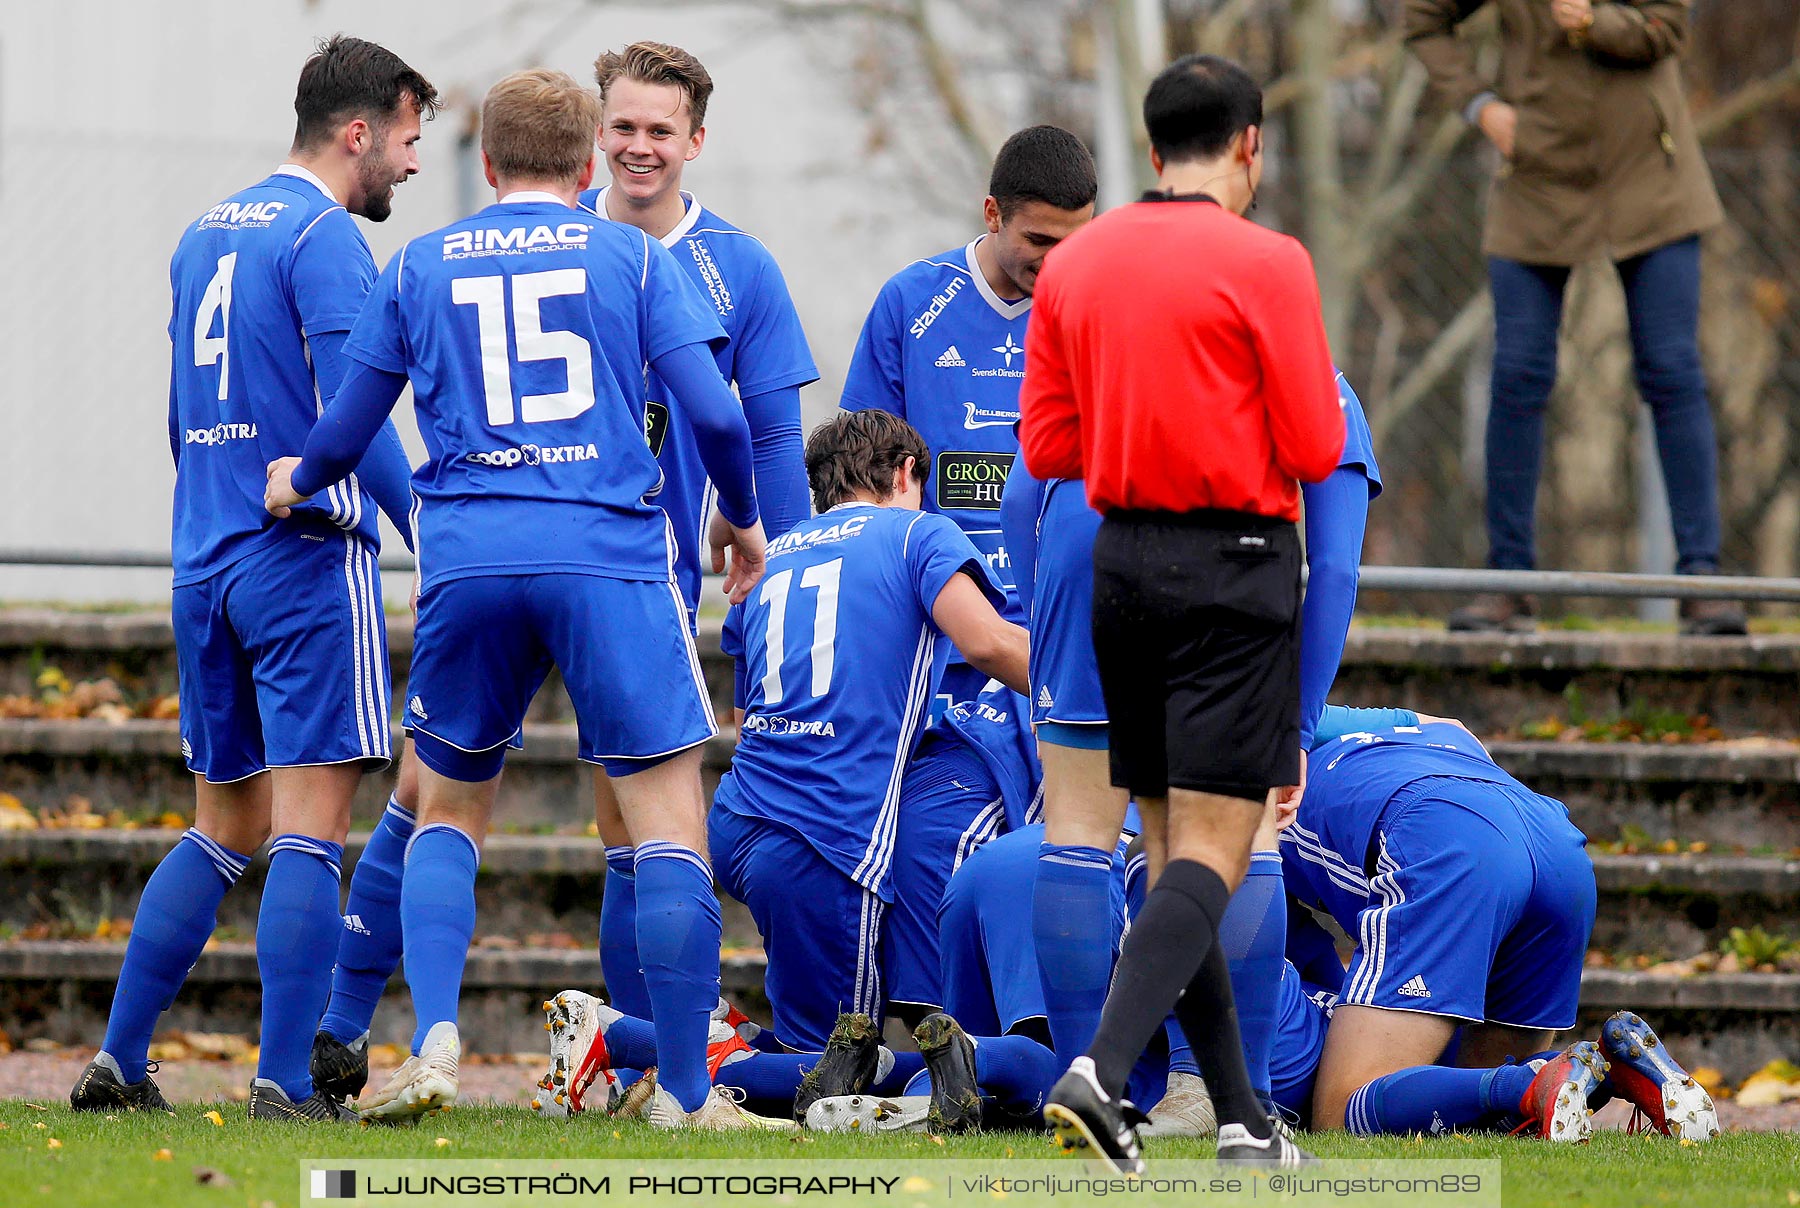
(55,1157)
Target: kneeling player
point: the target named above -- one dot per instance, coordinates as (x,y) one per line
(835,667)
(538,551)
(1471,898)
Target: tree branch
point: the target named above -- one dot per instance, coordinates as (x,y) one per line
(1457,337)
(1747,101)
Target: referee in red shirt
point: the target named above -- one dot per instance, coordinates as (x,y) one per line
(1177,361)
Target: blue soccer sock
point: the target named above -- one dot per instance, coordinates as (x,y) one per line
(296,938)
(437,918)
(1070,909)
(619,963)
(678,933)
(369,948)
(906,1067)
(630,1043)
(1016,1070)
(1254,935)
(175,917)
(1433,1098)
(768,1080)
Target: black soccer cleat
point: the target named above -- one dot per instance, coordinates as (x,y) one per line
(102,1088)
(950,1059)
(1090,1121)
(338,1069)
(852,1055)
(270,1102)
(1279,1151)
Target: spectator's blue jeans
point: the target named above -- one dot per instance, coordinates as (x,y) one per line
(1662,302)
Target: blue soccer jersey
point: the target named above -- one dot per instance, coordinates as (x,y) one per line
(835,652)
(1350,779)
(1359,442)
(996,726)
(254,280)
(525,330)
(944,352)
(767,351)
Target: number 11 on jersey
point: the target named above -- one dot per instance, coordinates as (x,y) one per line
(824,579)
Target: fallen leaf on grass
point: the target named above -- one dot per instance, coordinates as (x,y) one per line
(218,1121)
(37,1107)
(53,1143)
(163,1155)
(208,1177)
(442,1142)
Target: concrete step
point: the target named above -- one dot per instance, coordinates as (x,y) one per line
(1741,793)
(1494,682)
(1737,1022)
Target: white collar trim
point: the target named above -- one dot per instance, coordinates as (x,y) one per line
(687,223)
(1003,308)
(525,196)
(295,170)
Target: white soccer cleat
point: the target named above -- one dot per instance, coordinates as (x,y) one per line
(424,1085)
(1186,1110)
(577,1023)
(723,1111)
(869,1114)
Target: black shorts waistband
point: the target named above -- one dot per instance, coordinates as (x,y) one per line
(1201,518)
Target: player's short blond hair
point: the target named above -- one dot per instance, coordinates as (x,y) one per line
(539,125)
(658,63)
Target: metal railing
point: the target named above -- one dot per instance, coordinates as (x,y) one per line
(1430,579)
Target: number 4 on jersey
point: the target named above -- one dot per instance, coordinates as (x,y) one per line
(824,578)
(216,300)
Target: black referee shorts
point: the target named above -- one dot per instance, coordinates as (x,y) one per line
(1197,632)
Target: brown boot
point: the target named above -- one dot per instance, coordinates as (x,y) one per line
(1713,618)
(1495,612)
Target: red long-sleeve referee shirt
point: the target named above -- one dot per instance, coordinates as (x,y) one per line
(1176,359)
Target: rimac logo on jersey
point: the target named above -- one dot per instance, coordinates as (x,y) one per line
(951,359)
(789,542)
(461,245)
(939,302)
(242,214)
(534,455)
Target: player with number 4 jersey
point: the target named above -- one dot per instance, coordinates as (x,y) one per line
(835,657)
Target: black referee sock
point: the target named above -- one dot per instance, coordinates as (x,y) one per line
(1207,1013)
(1164,954)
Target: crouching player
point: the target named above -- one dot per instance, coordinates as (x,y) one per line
(1471,899)
(525,331)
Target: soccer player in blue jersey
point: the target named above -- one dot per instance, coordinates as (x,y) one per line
(525,331)
(279,630)
(836,662)
(943,346)
(652,123)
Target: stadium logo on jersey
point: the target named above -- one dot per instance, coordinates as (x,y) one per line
(1415,988)
(972,480)
(242,214)
(534,455)
(789,542)
(951,359)
(986,417)
(220,434)
(709,273)
(757,723)
(939,302)
(461,245)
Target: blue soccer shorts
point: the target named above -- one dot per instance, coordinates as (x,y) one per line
(990,964)
(820,930)
(484,646)
(1480,907)
(283,659)
(1303,1015)
(950,805)
(1065,679)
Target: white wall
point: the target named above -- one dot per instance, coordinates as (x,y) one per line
(120,120)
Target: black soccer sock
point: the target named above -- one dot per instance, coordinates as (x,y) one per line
(1208,1016)
(1163,954)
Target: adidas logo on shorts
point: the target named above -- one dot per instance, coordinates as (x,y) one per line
(1045,700)
(951,359)
(416,707)
(353,922)
(1415,988)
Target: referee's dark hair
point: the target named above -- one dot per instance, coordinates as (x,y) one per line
(860,451)
(1197,105)
(1043,163)
(348,78)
